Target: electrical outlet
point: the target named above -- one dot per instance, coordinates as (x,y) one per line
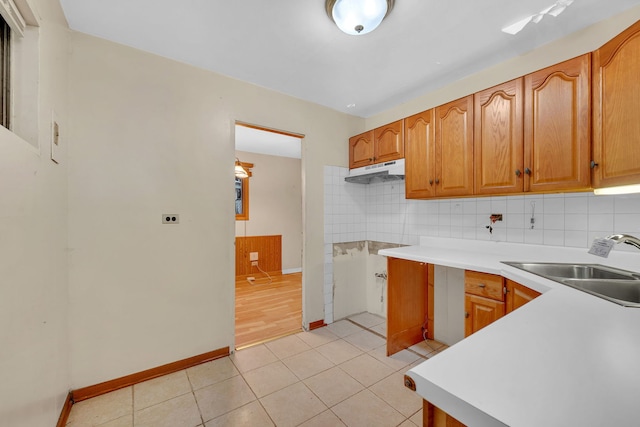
(254,263)
(170,218)
(253,256)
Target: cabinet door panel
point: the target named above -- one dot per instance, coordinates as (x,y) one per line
(432,416)
(616,102)
(480,312)
(389,142)
(361,150)
(518,295)
(498,139)
(484,285)
(406,303)
(454,148)
(420,152)
(558,126)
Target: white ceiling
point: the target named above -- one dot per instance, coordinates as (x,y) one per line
(291,46)
(270,143)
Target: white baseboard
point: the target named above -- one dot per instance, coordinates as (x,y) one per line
(292,270)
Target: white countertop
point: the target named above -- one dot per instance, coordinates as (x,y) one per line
(567,358)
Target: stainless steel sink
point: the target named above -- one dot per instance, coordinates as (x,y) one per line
(613,284)
(625,292)
(575,271)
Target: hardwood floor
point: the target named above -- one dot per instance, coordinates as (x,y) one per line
(268,310)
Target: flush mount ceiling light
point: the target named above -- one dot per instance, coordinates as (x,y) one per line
(358,17)
(554,10)
(240,171)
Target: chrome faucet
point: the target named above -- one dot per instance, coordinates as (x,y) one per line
(625,238)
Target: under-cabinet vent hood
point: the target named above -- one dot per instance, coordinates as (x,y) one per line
(387,171)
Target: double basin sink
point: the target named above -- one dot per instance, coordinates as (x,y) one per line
(613,284)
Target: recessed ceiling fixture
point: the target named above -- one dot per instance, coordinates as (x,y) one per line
(358,17)
(554,10)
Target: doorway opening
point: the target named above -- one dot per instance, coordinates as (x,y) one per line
(268,244)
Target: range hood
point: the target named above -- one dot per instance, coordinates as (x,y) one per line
(387,171)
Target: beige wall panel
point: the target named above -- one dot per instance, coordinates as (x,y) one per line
(34,297)
(153,136)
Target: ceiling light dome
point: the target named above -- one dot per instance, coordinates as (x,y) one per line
(357,17)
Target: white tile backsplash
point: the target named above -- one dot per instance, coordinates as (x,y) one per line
(380,212)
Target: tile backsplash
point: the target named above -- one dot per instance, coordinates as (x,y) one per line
(380,212)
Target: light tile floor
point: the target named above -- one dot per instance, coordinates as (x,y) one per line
(338,375)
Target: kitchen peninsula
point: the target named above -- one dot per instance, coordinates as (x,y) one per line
(567,358)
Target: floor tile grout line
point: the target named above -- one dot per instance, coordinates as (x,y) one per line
(301,380)
(365,328)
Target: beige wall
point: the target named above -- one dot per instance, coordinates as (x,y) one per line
(151,136)
(34,356)
(93,286)
(275,204)
(577,44)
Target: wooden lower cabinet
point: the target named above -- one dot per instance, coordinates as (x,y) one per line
(480,312)
(432,416)
(407,303)
(518,295)
(488,297)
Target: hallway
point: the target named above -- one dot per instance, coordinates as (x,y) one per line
(268,309)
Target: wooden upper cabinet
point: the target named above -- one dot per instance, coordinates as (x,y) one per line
(557,127)
(389,142)
(454,148)
(616,106)
(361,150)
(498,139)
(420,151)
(518,295)
(376,146)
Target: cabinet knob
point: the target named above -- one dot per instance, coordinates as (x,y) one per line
(518,173)
(593,164)
(409,383)
(371,159)
(527,171)
(482,285)
(466,314)
(437,180)
(430,182)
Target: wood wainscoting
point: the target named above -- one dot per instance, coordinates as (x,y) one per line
(269,249)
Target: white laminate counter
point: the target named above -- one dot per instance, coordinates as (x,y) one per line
(567,358)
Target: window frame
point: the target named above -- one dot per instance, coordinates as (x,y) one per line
(244,193)
(5,74)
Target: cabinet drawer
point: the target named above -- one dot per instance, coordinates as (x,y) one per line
(484,285)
